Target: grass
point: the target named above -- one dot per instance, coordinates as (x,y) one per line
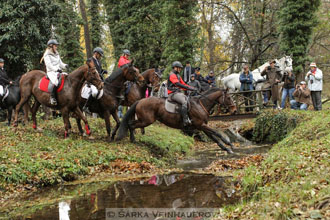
(39,159)
(294,178)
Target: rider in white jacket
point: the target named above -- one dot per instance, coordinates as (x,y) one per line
(54,67)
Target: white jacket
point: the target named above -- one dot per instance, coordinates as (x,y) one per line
(53,61)
(317,80)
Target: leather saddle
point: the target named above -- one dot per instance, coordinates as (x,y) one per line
(173,107)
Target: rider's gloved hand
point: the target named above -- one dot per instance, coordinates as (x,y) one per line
(59,71)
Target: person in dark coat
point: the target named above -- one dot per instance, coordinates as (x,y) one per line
(288,87)
(187,72)
(246,79)
(273,77)
(211,79)
(4,79)
(194,83)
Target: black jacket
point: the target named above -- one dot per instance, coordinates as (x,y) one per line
(98,66)
(288,81)
(4,79)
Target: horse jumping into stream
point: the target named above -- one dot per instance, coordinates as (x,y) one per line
(146,111)
(67,97)
(108,104)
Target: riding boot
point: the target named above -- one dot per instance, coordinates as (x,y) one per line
(185,117)
(53,96)
(86,106)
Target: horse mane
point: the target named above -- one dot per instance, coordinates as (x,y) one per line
(114,75)
(212,90)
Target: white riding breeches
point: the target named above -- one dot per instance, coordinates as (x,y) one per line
(1,90)
(53,77)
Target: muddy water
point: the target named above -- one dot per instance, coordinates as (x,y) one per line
(177,190)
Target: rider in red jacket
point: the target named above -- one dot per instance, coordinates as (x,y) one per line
(124,59)
(175,86)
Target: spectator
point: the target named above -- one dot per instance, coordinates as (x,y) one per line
(196,84)
(187,72)
(302,97)
(246,79)
(273,77)
(211,79)
(314,79)
(288,87)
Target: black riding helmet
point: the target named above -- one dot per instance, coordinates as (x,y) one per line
(98,50)
(52,42)
(176,64)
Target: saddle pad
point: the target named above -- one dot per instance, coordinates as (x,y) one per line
(87,90)
(44,83)
(171,107)
(6,94)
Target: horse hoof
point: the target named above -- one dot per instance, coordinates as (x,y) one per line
(230,151)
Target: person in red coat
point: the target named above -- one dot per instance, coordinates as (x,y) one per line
(124,58)
(175,88)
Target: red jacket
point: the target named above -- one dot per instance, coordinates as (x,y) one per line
(122,61)
(172,79)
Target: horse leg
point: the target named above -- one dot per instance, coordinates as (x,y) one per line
(26,110)
(80,115)
(81,131)
(106,116)
(24,99)
(10,112)
(66,120)
(34,113)
(138,124)
(211,133)
(116,118)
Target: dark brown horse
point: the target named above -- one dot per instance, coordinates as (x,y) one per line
(151,109)
(67,98)
(108,104)
(152,79)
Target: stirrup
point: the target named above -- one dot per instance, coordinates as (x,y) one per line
(53,101)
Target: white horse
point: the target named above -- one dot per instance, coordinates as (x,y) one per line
(232,81)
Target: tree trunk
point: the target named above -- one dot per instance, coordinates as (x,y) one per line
(82,7)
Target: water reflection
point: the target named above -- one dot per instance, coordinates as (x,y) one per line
(160,191)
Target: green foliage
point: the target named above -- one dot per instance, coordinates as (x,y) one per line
(156,32)
(297,20)
(42,159)
(67,30)
(25,28)
(95,23)
(179,30)
(273,126)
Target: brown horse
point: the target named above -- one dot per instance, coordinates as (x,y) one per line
(67,98)
(108,104)
(151,109)
(152,79)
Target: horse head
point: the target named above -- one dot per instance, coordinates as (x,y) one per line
(226,101)
(92,75)
(155,78)
(132,74)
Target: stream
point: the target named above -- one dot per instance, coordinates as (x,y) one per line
(189,188)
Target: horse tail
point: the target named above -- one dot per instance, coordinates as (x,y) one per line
(123,128)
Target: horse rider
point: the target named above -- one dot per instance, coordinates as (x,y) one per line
(4,79)
(96,58)
(175,88)
(54,67)
(273,77)
(123,60)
